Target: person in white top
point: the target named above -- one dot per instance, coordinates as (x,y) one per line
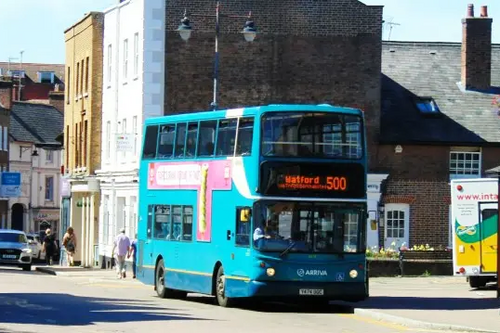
(121,248)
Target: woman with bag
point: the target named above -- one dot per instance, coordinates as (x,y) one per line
(69,243)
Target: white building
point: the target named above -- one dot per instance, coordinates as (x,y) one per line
(133,86)
(35,153)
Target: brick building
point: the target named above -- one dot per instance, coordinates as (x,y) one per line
(82,130)
(328,51)
(37,80)
(437,123)
(5,108)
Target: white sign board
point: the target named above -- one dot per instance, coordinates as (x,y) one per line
(125,142)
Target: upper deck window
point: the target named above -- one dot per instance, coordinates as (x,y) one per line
(308,134)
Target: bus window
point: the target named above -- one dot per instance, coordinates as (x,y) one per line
(245,136)
(166,144)
(180,141)
(192,136)
(162,222)
(187,223)
(226,137)
(242,229)
(150,141)
(206,139)
(177,222)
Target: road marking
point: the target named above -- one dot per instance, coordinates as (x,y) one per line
(387,324)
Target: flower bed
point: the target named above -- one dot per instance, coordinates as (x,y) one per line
(404,261)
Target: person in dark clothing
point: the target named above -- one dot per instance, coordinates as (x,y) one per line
(49,246)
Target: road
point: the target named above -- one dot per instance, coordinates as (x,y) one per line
(35,302)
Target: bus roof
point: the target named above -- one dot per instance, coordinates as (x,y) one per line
(251,111)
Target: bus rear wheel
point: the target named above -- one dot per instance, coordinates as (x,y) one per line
(220,290)
(161,290)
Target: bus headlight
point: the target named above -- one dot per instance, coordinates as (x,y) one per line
(270,271)
(353,274)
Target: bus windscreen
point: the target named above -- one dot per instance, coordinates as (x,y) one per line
(312,134)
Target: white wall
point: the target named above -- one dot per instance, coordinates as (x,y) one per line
(43,167)
(134,98)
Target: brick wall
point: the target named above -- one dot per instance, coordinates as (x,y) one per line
(419,176)
(6,94)
(326,52)
(83,41)
(56,99)
(476,52)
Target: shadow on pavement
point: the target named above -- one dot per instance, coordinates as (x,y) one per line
(428,303)
(65,309)
(278,307)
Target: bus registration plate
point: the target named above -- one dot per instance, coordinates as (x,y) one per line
(313,292)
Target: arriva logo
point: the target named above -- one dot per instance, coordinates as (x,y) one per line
(311,272)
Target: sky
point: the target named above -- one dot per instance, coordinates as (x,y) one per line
(37,26)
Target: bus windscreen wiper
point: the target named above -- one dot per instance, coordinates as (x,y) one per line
(287,249)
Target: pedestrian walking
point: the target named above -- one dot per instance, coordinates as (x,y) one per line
(69,243)
(121,248)
(133,252)
(49,246)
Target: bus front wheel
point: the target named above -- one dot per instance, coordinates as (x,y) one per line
(220,290)
(161,290)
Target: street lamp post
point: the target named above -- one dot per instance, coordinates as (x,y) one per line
(249,32)
(30,212)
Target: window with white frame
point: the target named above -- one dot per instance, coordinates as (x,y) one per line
(49,188)
(134,133)
(49,156)
(397,223)
(125,59)
(124,131)
(108,140)
(110,62)
(465,162)
(136,54)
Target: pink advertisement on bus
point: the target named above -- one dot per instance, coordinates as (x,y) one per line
(204,177)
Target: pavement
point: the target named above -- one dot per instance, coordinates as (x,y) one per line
(432,303)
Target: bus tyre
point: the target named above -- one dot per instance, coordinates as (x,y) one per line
(220,290)
(160,288)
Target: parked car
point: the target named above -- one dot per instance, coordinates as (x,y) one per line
(36,246)
(14,249)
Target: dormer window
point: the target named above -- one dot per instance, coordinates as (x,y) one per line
(427,105)
(46,77)
(17,74)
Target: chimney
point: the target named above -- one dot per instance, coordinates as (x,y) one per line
(6,94)
(56,99)
(476,50)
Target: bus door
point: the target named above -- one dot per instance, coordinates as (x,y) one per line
(145,261)
(488,225)
(240,240)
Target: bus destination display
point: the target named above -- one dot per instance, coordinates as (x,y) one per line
(317,180)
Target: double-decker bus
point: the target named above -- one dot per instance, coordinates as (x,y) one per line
(263,202)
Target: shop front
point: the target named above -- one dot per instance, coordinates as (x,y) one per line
(45,218)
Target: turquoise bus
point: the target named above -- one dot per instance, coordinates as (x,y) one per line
(265,202)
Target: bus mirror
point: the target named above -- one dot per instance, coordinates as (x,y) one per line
(245,214)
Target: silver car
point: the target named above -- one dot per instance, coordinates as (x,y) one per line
(14,249)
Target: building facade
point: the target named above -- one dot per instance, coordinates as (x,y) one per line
(440,121)
(5,109)
(133,82)
(82,131)
(33,82)
(36,155)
